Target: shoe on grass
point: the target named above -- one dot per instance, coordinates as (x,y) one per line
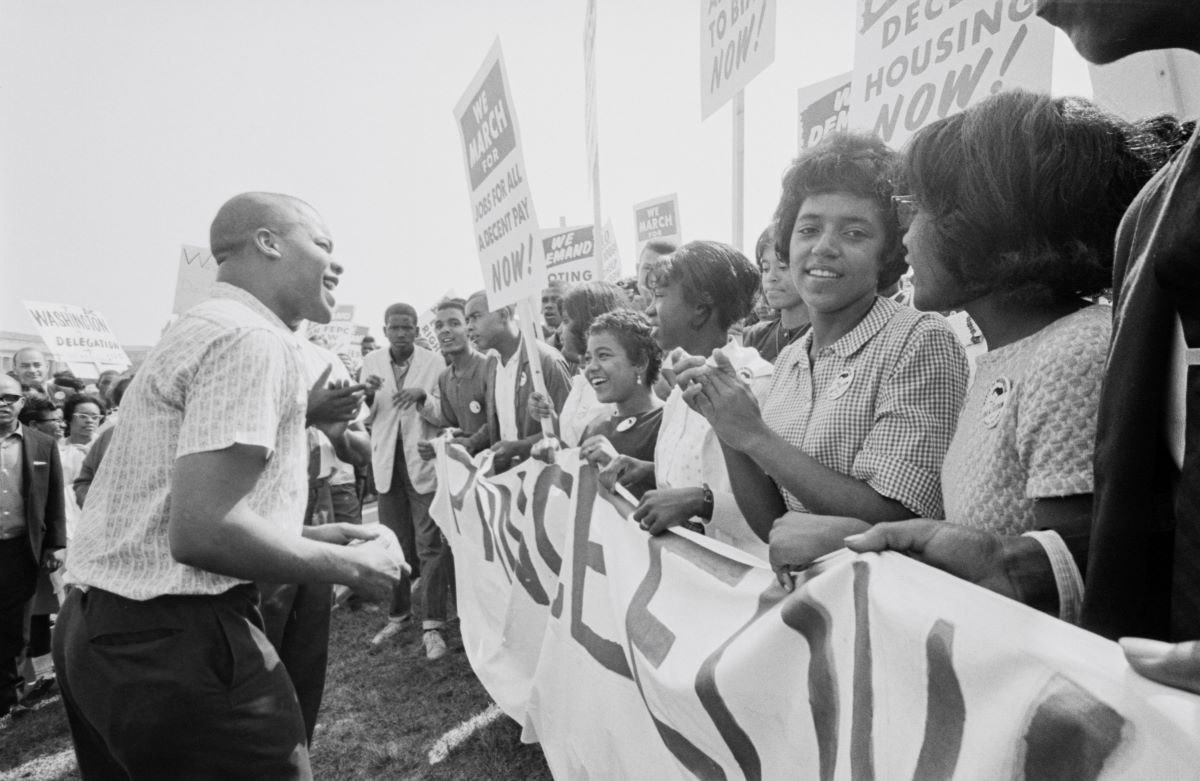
(435,644)
(394,626)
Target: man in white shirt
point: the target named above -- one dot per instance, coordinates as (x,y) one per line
(405,412)
(160,653)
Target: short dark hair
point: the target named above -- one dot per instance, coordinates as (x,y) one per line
(636,336)
(628,284)
(82,398)
(1026,192)
(713,274)
(585,301)
(765,239)
(660,246)
(34,408)
(399,309)
(118,391)
(510,308)
(844,162)
(451,303)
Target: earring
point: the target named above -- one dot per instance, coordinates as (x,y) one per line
(638,378)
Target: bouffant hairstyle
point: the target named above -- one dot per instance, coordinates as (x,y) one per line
(632,329)
(844,162)
(765,239)
(1025,193)
(81,398)
(585,301)
(713,274)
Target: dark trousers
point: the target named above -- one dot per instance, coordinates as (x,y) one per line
(296,617)
(180,687)
(18,582)
(406,512)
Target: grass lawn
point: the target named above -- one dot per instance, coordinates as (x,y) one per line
(386,714)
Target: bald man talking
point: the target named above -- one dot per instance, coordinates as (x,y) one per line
(160,652)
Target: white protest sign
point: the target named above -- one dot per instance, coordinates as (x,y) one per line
(195,277)
(675,657)
(338,334)
(79,337)
(737,41)
(657,218)
(916,62)
(610,254)
(506,228)
(824,108)
(570,254)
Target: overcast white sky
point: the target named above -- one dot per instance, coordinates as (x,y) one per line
(125,124)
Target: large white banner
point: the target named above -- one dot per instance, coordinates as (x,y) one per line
(506,227)
(78,336)
(917,62)
(667,657)
(737,42)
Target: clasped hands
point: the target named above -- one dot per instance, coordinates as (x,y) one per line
(713,388)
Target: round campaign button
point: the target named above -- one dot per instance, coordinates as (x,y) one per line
(627,424)
(521,381)
(474,406)
(995,402)
(840,384)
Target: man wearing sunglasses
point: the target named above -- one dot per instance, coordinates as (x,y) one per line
(33,527)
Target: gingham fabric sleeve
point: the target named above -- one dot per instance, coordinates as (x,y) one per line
(915,417)
(238,394)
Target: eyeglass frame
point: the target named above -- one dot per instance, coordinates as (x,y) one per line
(12,399)
(906,209)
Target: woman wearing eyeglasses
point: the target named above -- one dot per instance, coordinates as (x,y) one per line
(1014,207)
(83,415)
(861,409)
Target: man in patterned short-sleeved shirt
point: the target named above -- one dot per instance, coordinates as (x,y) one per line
(163,665)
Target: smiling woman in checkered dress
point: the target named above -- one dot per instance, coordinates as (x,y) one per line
(861,409)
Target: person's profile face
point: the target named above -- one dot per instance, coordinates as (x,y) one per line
(552,307)
(312,273)
(1103,31)
(670,314)
(50,423)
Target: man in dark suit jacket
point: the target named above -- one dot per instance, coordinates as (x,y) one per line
(497,330)
(33,527)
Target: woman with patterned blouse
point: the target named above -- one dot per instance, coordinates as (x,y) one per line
(860,411)
(1014,205)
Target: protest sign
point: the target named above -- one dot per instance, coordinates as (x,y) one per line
(570,254)
(737,41)
(338,334)
(631,656)
(195,277)
(506,227)
(79,337)
(916,62)
(824,108)
(657,218)
(610,254)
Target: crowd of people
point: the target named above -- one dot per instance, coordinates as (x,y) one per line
(810,399)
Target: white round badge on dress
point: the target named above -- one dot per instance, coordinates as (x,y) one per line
(627,424)
(995,402)
(840,385)
(521,381)
(474,406)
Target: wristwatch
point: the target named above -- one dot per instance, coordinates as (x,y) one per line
(706,509)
